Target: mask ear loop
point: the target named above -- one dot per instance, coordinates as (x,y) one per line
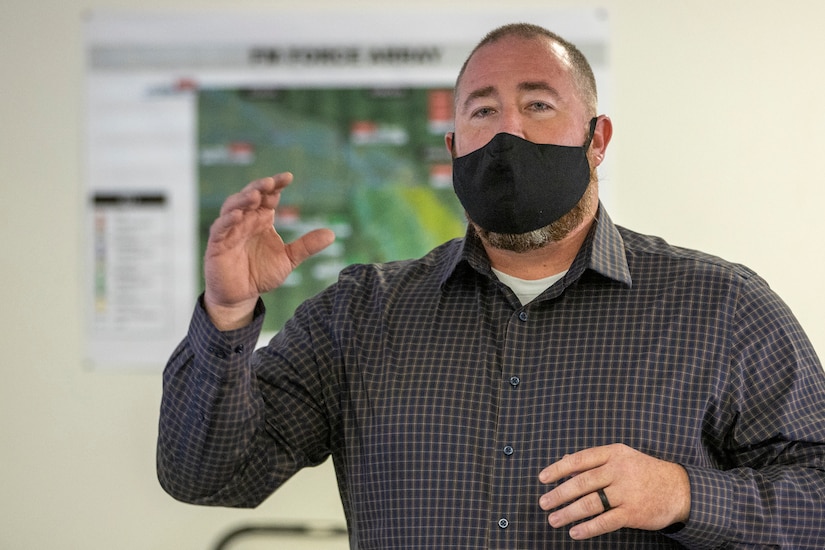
(592,132)
(593,122)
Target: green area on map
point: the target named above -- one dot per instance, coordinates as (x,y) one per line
(369,163)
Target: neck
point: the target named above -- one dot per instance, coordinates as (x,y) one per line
(548,260)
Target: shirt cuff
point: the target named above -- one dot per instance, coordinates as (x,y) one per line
(217,350)
(711,502)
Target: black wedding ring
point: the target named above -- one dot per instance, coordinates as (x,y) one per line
(605,502)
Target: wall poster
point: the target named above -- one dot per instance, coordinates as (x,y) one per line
(183,109)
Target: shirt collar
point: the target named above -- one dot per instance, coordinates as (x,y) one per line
(603,252)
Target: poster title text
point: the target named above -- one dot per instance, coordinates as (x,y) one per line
(346,55)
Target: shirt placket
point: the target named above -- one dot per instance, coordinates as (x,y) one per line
(511,452)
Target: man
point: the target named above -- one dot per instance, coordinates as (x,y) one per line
(549,377)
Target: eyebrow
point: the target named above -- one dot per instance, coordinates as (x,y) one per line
(488,91)
(541,86)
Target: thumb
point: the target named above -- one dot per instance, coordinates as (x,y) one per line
(309,244)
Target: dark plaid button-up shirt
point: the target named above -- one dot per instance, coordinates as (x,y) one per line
(440,398)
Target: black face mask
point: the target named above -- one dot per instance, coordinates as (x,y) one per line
(512,185)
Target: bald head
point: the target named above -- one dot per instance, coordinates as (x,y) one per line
(568,53)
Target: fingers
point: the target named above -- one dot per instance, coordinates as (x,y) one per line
(599,525)
(572,464)
(590,481)
(260,197)
(586,474)
(246,257)
(252,210)
(262,193)
(589,506)
(632,483)
(309,244)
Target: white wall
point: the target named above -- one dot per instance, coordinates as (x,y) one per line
(717,108)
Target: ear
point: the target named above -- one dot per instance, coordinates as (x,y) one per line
(601,138)
(449,141)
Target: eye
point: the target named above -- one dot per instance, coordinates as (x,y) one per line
(540,106)
(483,112)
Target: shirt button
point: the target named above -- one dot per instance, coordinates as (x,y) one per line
(515,381)
(508,450)
(522,315)
(239,349)
(503,523)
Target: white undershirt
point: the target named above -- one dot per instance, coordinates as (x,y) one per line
(527,289)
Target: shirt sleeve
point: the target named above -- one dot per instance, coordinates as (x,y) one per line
(771,490)
(220,442)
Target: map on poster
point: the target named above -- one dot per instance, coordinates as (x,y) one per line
(185,109)
(369,163)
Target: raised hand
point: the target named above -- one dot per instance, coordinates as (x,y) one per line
(245,256)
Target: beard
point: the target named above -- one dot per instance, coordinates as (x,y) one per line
(551,233)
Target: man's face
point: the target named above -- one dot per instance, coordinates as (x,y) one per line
(521,87)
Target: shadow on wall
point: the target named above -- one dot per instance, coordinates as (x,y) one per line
(306,536)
